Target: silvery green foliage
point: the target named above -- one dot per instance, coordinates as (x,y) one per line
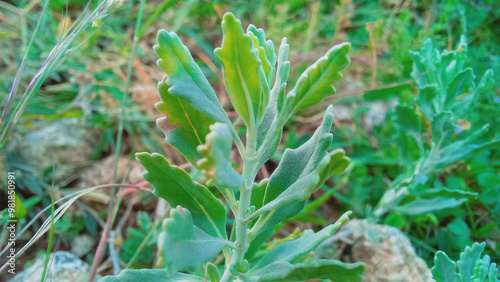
(471,266)
(198,127)
(443,80)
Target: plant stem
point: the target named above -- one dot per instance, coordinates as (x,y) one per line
(114,203)
(241,224)
(51,239)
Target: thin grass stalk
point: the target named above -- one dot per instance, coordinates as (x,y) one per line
(58,214)
(19,73)
(51,239)
(56,56)
(114,203)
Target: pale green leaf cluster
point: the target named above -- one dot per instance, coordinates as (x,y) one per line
(198,127)
(447,93)
(471,266)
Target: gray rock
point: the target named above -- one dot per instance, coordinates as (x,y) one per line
(63,267)
(81,245)
(386,251)
(378,111)
(65,144)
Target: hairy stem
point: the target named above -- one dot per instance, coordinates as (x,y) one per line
(241,224)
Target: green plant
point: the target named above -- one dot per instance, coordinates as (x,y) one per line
(430,138)
(471,266)
(198,127)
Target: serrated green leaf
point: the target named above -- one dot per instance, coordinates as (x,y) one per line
(267,47)
(423,63)
(337,164)
(271,127)
(408,121)
(460,84)
(333,163)
(135,275)
(458,150)
(185,78)
(278,262)
(463,107)
(296,165)
(330,269)
(183,246)
(442,129)
(427,103)
(409,133)
(217,154)
(469,259)
(444,270)
(316,81)
(428,205)
(176,186)
(493,273)
(242,71)
(185,127)
(482,268)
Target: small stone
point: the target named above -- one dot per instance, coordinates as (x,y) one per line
(81,245)
(386,251)
(63,267)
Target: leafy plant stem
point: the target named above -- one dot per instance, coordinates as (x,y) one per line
(259,224)
(241,228)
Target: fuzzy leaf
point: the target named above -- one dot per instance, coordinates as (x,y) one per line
(213,272)
(450,193)
(266,47)
(316,81)
(183,246)
(242,71)
(409,131)
(176,186)
(279,262)
(428,205)
(298,164)
(333,163)
(185,78)
(337,163)
(458,150)
(427,101)
(461,84)
(442,129)
(330,269)
(271,127)
(185,127)
(463,107)
(469,259)
(217,154)
(134,275)
(444,270)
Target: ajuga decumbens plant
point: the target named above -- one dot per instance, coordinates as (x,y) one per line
(196,234)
